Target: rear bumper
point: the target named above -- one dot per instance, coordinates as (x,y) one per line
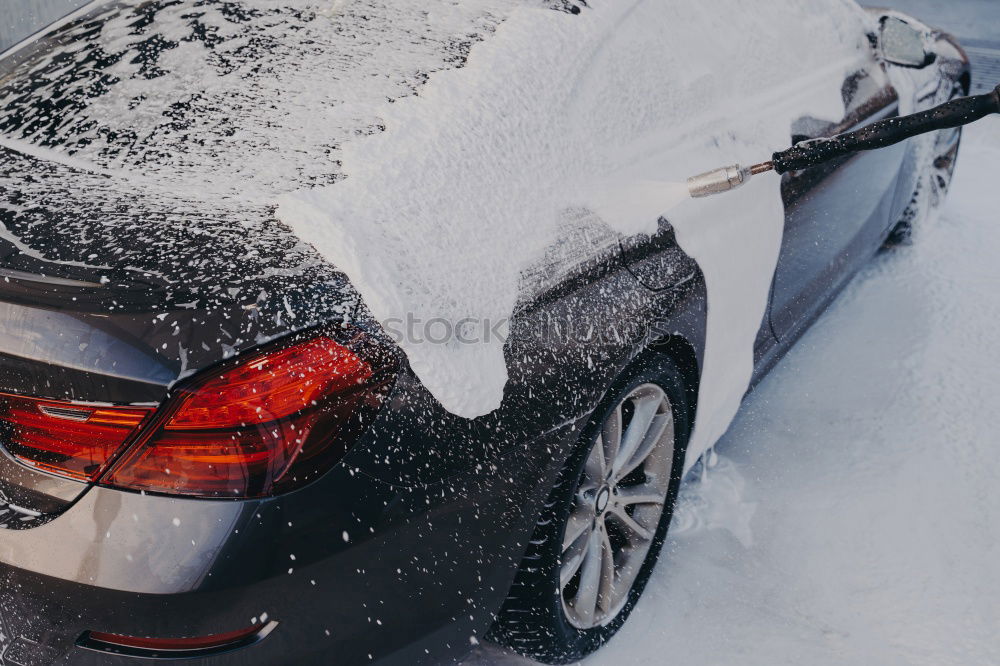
(354,570)
(41,619)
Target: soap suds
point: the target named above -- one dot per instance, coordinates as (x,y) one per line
(716,502)
(637,201)
(441,212)
(433,152)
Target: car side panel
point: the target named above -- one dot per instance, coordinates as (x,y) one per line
(834,212)
(567,344)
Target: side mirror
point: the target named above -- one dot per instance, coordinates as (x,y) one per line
(904,45)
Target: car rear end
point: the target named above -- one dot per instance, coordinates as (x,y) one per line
(140,509)
(206,450)
(161,494)
(166,495)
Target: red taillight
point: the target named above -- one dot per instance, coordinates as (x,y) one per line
(176,648)
(266,424)
(73,440)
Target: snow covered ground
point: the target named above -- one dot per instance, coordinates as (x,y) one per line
(854,514)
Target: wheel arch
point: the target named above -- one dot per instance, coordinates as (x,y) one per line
(684,356)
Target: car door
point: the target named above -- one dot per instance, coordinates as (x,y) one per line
(835,214)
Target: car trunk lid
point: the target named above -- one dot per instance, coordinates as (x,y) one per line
(110,294)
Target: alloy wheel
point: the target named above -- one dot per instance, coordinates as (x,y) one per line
(617,507)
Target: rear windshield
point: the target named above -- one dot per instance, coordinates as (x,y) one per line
(241,97)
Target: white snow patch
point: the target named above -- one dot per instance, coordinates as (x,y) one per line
(715,502)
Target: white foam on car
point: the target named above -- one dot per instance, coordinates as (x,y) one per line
(438,215)
(441,212)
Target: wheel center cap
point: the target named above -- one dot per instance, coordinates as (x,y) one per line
(601,502)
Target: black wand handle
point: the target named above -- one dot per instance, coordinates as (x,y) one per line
(955,113)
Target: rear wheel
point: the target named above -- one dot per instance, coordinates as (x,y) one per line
(602,528)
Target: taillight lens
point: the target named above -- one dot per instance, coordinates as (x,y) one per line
(175,648)
(63,438)
(264,425)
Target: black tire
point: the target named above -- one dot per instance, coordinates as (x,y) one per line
(532,621)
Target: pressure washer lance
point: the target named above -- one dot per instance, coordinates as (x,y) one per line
(880,134)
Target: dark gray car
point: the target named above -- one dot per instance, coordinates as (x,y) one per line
(208,447)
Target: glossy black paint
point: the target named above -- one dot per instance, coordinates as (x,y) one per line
(402,552)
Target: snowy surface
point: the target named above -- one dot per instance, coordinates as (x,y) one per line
(854,516)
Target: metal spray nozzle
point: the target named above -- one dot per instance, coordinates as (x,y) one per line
(724,179)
